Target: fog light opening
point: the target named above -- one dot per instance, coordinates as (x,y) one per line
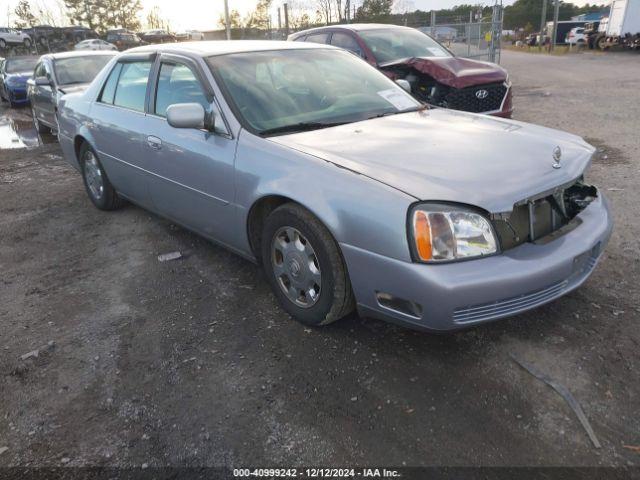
(400,305)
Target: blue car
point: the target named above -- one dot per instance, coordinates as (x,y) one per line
(14,73)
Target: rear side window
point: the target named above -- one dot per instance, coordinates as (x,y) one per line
(127,85)
(317,38)
(109,89)
(178,84)
(346,41)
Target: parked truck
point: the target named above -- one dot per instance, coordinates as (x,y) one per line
(564,27)
(622,27)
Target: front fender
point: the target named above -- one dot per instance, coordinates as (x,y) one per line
(357,210)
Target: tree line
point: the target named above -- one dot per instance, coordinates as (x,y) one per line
(99,15)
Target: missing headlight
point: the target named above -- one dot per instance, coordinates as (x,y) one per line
(533,220)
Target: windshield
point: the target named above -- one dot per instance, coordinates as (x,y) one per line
(391,44)
(309,88)
(19,65)
(79,69)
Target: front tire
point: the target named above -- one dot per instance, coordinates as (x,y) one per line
(305,267)
(96,183)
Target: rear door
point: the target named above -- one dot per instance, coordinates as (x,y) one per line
(348,42)
(192,170)
(118,123)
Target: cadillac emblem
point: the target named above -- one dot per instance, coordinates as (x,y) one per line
(557,155)
(481,94)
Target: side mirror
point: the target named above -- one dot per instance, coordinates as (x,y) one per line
(186,115)
(42,82)
(405,85)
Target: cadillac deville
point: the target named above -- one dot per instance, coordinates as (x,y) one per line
(350,193)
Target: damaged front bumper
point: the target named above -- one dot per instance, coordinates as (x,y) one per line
(456,83)
(456,295)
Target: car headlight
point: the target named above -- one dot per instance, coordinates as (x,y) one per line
(441,232)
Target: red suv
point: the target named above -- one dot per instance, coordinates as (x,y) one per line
(436,75)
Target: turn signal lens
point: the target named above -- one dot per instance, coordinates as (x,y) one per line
(422,235)
(448,232)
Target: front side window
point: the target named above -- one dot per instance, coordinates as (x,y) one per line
(77,70)
(391,44)
(131,88)
(40,70)
(178,84)
(305,88)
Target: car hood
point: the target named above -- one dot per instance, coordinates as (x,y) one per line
(451,156)
(454,71)
(75,88)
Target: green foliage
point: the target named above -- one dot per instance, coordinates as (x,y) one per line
(102,15)
(523,12)
(26,18)
(258,18)
(374,11)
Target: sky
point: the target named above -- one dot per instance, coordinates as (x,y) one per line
(204,14)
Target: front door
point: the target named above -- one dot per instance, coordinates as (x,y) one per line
(42,98)
(191,170)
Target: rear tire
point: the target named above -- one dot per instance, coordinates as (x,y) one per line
(305,267)
(96,183)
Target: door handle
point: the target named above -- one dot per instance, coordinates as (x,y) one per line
(154,142)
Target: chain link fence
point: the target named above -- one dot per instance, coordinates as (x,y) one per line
(478,39)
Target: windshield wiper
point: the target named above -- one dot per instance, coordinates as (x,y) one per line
(300,127)
(420,108)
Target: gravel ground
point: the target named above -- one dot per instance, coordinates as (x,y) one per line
(191,362)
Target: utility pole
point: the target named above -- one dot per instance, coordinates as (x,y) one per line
(556,11)
(279,21)
(543,23)
(286,19)
(433,24)
(227,22)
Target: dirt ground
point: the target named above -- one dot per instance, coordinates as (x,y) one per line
(192,363)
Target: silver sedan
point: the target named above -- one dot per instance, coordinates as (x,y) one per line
(348,191)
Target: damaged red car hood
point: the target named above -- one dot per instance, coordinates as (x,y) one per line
(452,156)
(454,71)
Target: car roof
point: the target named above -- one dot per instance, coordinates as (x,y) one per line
(74,53)
(223,47)
(354,27)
